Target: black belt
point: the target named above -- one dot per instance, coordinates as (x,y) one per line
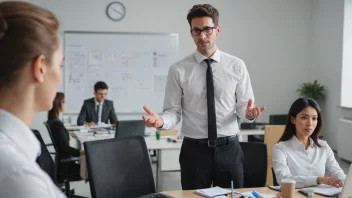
(219,141)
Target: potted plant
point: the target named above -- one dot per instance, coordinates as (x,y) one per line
(312,90)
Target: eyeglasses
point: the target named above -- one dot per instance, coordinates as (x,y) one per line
(206,30)
(101,94)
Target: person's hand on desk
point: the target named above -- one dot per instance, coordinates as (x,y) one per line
(89,124)
(82,152)
(253,111)
(330,181)
(152,119)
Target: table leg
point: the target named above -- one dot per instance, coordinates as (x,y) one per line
(157,170)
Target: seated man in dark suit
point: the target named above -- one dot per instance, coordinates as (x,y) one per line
(98,109)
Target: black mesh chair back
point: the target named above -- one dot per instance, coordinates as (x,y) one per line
(280,119)
(119,168)
(127,128)
(45,161)
(255,164)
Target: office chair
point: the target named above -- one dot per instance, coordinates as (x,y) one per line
(62,177)
(119,167)
(255,164)
(274,177)
(46,162)
(127,128)
(279,119)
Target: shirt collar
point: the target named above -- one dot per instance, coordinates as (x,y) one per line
(97,103)
(200,57)
(296,143)
(20,134)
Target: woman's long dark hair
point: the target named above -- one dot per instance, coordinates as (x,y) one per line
(298,106)
(57,103)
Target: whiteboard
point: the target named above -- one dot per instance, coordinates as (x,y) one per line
(134,65)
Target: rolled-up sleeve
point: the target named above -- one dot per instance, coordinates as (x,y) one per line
(332,167)
(172,102)
(244,92)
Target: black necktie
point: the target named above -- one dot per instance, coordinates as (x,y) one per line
(98,108)
(212,132)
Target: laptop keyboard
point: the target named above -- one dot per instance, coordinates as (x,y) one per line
(158,196)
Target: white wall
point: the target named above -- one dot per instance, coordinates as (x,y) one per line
(346,78)
(327,41)
(271,36)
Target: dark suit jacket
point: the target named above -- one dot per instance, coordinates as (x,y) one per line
(62,139)
(88,112)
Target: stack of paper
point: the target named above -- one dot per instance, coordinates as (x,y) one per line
(212,192)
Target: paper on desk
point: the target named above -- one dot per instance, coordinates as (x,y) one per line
(100,125)
(249,194)
(212,192)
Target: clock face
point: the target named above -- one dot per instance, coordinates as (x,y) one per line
(116,11)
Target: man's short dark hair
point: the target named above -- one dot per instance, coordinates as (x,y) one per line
(202,10)
(100,85)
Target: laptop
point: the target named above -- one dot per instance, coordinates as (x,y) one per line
(347,188)
(127,128)
(329,191)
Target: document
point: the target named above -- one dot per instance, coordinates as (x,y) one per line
(212,192)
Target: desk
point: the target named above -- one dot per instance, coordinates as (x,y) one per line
(264,190)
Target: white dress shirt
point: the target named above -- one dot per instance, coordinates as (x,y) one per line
(292,161)
(186,94)
(100,109)
(20,175)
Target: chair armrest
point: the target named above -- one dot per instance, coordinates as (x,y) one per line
(49,144)
(72,159)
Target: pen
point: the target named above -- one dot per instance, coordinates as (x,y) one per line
(256,195)
(232,192)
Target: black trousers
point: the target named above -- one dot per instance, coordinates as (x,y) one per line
(203,166)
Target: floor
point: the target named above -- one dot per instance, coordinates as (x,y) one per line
(167,180)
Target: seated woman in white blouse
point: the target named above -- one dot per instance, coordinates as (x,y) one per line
(300,155)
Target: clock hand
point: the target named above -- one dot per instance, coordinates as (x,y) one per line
(116,11)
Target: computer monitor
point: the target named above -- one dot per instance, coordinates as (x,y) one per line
(126,128)
(279,119)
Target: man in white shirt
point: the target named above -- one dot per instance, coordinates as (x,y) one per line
(209,101)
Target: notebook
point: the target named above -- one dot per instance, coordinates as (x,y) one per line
(212,192)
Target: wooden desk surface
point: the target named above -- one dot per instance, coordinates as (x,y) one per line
(191,194)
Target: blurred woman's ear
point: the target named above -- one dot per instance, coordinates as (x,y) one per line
(39,68)
(293,120)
